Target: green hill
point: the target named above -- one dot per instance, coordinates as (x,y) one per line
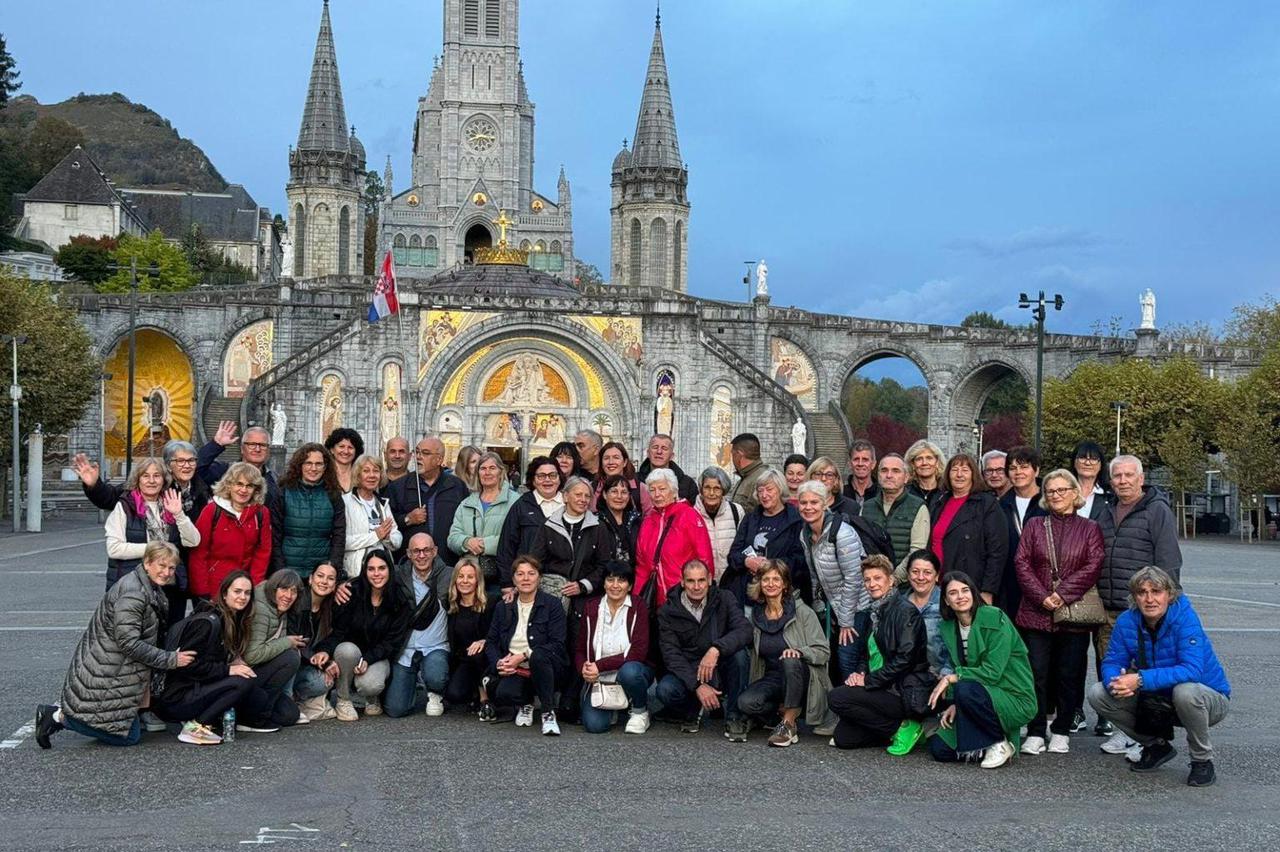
(132,144)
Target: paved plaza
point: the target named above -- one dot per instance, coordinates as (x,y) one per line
(453,782)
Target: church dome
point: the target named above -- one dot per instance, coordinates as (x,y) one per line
(480,281)
(356,147)
(623,160)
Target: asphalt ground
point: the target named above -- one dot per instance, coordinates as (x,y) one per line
(452,782)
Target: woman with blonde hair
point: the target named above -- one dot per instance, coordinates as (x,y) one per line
(148,510)
(370,525)
(925,461)
(235,531)
(470,612)
(465,468)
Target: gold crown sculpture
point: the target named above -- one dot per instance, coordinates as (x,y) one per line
(501,254)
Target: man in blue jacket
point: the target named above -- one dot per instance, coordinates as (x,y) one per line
(1159,649)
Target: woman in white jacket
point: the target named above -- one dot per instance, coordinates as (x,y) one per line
(834,551)
(369,522)
(721,515)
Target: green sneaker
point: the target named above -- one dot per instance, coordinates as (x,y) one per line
(906,738)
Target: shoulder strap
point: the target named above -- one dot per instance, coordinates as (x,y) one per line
(836,523)
(737,518)
(662,537)
(213,528)
(1053,556)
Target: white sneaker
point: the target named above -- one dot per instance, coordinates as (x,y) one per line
(435,704)
(303,719)
(638,723)
(524,718)
(347,711)
(152,723)
(998,755)
(1033,745)
(1059,744)
(1134,754)
(550,728)
(372,707)
(1118,744)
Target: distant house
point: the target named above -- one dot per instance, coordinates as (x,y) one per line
(231,221)
(33,265)
(74,198)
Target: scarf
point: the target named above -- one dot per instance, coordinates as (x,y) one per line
(140,507)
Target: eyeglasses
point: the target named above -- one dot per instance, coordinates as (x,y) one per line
(828,474)
(256,445)
(546,476)
(992,471)
(182,461)
(1058,492)
(423,550)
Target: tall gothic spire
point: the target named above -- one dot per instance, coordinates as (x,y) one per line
(655,143)
(324,120)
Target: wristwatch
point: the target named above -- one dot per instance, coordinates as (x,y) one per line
(1139,686)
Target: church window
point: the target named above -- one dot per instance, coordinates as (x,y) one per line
(554,248)
(430,254)
(471,18)
(398,251)
(415,251)
(492,12)
(344,240)
(299,228)
(525,245)
(658,253)
(634,277)
(677,249)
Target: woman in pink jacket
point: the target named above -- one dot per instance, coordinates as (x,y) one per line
(670,535)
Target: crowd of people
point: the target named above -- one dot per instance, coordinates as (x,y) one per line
(919,599)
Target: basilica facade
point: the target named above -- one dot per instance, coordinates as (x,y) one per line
(496,343)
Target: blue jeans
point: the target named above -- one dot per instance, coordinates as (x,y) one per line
(432,668)
(131,738)
(848,657)
(730,674)
(634,678)
(308,683)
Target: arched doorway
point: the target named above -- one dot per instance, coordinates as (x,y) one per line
(164,395)
(886,400)
(990,407)
(478,236)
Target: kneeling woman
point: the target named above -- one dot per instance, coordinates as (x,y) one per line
(272,649)
(788,660)
(110,671)
(613,646)
(526,648)
(312,619)
(369,631)
(992,693)
(219,679)
(870,704)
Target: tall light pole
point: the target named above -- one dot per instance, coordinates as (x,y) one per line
(153,269)
(1119,405)
(15,394)
(103,378)
(746,279)
(979,430)
(1038,311)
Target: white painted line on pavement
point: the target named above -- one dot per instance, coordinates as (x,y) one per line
(16,738)
(92,571)
(39,629)
(47,612)
(1238,600)
(50,550)
(1243,629)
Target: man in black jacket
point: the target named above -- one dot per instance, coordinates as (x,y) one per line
(660,454)
(704,638)
(426,501)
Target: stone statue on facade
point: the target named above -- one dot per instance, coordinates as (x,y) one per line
(1148,303)
(799,437)
(278,423)
(762,278)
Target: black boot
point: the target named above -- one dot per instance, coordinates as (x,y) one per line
(47,725)
(1202,774)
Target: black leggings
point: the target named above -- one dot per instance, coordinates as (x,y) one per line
(868,717)
(464,681)
(205,702)
(516,690)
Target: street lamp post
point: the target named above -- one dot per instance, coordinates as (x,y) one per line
(15,394)
(153,269)
(103,378)
(1119,405)
(1038,311)
(746,279)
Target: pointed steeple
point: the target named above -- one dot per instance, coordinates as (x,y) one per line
(324,120)
(655,143)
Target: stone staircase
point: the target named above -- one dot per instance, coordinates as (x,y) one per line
(298,361)
(757,377)
(826,437)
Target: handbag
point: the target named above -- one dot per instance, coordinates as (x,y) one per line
(1086,612)
(1155,715)
(605,696)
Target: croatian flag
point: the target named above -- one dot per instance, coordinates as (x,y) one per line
(385,302)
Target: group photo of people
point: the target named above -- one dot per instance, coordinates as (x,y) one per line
(951,606)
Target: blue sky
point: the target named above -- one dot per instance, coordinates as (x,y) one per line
(896,160)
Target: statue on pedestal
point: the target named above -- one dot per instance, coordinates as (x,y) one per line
(762,278)
(799,437)
(278,423)
(1148,302)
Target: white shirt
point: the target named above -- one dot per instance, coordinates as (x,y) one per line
(549,507)
(1023,503)
(520,639)
(611,637)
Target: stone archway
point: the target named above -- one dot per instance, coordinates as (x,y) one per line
(978,381)
(164,396)
(892,414)
(478,236)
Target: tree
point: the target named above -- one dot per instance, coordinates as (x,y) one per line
(374,189)
(8,76)
(1182,452)
(586,273)
(1250,433)
(49,141)
(174,270)
(1256,325)
(86,258)
(983,319)
(1003,432)
(56,366)
(889,435)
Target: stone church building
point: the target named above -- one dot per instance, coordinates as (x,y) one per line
(495,344)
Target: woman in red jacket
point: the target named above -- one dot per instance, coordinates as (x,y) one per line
(612,649)
(670,535)
(1058,560)
(235,531)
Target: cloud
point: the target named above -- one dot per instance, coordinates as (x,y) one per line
(939,300)
(1031,240)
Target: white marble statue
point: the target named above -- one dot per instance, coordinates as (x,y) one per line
(278,422)
(762,278)
(799,437)
(1148,303)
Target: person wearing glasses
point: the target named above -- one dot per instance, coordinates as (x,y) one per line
(235,532)
(478,523)
(309,521)
(1058,561)
(770,531)
(255,448)
(994,473)
(427,500)
(425,656)
(543,480)
(370,525)
(823,469)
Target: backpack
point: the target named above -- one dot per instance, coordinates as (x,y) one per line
(173,637)
(875,539)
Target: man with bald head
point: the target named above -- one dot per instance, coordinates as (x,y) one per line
(395,455)
(255,448)
(426,501)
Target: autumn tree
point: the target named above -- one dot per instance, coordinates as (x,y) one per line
(87,258)
(173,271)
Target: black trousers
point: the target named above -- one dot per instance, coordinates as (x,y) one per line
(976,724)
(464,681)
(1059,662)
(545,674)
(206,702)
(868,717)
(785,683)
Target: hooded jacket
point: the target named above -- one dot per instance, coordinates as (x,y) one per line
(227,544)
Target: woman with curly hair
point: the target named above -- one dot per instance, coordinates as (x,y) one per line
(309,522)
(345,445)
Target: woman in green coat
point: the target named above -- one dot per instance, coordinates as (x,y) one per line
(477,525)
(992,693)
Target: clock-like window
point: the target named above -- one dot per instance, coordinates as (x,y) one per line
(481,134)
